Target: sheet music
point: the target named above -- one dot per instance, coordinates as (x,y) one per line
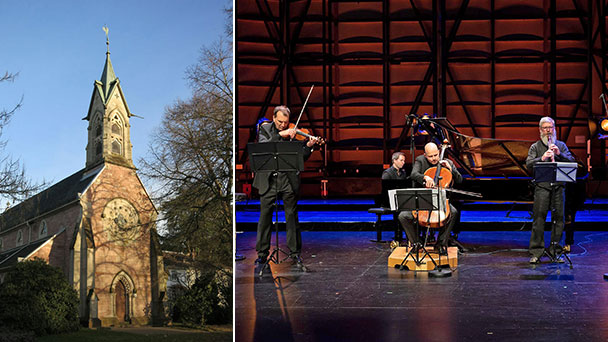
(392,197)
(556,171)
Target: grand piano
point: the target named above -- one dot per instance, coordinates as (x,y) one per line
(496,168)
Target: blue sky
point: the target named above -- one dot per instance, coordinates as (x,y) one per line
(58,48)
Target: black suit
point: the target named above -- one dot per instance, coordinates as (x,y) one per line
(547,195)
(407,219)
(287,185)
(393,173)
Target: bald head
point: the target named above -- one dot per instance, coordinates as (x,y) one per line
(431,152)
(430,147)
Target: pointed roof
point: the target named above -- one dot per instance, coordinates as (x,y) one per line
(106,86)
(108,78)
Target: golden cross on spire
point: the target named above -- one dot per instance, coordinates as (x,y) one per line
(106,30)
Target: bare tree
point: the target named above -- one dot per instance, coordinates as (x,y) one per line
(190,158)
(13,182)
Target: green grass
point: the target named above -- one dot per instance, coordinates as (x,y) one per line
(221,334)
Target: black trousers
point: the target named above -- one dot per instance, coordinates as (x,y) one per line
(547,196)
(278,184)
(409,225)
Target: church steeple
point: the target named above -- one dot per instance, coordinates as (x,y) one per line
(108,77)
(108,116)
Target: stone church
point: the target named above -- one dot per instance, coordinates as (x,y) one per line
(97,225)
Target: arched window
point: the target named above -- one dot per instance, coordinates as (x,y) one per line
(116,147)
(97,125)
(19,237)
(43,229)
(98,148)
(117,125)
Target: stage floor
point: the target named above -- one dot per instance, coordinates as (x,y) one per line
(350,294)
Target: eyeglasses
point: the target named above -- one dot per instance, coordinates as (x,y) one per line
(547,127)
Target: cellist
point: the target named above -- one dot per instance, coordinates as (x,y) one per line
(422,164)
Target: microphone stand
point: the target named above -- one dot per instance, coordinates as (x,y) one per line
(412,119)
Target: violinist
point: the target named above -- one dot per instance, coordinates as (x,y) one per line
(406,218)
(547,195)
(287,184)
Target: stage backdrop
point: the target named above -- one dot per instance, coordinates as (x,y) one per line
(493,68)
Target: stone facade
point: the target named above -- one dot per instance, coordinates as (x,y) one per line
(116,259)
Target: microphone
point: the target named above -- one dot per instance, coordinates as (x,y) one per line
(412,119)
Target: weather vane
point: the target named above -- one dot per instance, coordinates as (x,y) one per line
(106,30)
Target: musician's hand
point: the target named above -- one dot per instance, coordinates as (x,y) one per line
(445,164)
(429,182)
(312,141)
(288,133)
(555,149)
(547,155)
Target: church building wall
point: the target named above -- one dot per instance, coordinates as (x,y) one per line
(56,252)
(120,256)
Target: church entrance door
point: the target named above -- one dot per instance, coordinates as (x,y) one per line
(121,302)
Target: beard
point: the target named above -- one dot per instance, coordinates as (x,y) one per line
(545,138)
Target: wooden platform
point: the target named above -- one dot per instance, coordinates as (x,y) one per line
(399,253)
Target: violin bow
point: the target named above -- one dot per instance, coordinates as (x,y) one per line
(304,106)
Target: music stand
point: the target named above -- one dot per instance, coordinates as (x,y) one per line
(270,158)
(556,173)
(415,199)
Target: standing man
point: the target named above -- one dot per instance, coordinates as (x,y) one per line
(422,163)
(396,170)
(547,195)
(286,184)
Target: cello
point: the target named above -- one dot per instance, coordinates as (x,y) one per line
(442,178)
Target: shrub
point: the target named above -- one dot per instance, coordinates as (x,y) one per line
(208,301)
(37,297)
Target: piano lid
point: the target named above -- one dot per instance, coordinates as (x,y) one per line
(481,157)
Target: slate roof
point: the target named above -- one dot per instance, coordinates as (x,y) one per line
(11,258)
(61,193)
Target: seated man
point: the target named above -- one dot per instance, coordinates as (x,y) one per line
(396,170)
(395,173)
(423,163)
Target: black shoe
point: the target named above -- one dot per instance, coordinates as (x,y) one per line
(260,260)
(463,250)
(297,261)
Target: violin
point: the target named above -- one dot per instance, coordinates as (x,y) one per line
(303,134)
(442,178)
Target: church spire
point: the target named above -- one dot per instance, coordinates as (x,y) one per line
(108,115)
(108,77)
